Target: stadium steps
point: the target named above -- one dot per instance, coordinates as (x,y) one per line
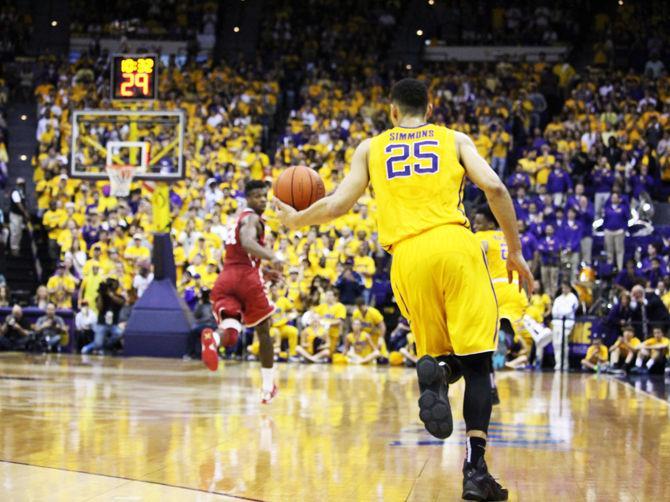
(23,272)
(22,141)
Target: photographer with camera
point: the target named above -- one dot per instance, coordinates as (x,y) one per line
(107,332)
(50,329)
(15,331)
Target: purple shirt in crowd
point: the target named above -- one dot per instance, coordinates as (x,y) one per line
(549,248)
(646,265)
(641,183)
(570,234)
(625,280)
(602,180)
(90,234)
(616,216)
(559,181)
(528,245)
(518,179)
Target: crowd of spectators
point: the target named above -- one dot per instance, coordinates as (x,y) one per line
(15,28)
(586,156)
(485,22)
(632,35)
(143,18)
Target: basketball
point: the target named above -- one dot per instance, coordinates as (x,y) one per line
(299,187)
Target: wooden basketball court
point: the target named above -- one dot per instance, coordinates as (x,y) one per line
(77,428)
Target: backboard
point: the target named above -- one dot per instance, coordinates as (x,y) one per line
(152,141)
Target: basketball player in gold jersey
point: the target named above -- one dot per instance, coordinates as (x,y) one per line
(439,273)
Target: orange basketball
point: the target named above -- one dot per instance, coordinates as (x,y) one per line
(299,187)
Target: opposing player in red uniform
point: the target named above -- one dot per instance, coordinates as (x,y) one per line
(238,296)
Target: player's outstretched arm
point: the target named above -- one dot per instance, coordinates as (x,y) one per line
(500,201)
(335,205)
(249,239)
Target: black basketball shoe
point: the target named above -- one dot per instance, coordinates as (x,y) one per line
(478,484)
(434,407)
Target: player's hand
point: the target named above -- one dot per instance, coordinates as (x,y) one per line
(285,213)
(277,262)
(517,263)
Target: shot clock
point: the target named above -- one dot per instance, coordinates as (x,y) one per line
(134,77)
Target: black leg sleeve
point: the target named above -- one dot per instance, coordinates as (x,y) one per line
(477,399)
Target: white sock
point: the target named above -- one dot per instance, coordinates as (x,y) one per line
(268,376)
(650,363)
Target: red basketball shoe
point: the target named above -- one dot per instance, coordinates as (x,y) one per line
(209,348)
(267,396)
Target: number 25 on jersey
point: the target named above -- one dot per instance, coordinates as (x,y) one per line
(407,158)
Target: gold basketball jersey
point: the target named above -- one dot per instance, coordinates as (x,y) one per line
(496,254)
(418,181)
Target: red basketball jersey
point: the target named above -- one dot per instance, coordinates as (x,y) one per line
(235,253)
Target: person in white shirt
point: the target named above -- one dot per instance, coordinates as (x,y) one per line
(142,279)
(213,195)
(83,323)
(563,320)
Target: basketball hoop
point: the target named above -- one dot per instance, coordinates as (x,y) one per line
(120,178)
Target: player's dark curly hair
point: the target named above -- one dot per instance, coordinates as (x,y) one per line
(252,185)
(486,212)
(411,96)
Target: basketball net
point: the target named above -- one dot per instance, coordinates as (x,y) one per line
(120,178)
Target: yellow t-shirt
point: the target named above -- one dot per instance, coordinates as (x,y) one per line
(664,341)
(537,306)
(67,282)
(500,143)
(365,266)
(330,312)
(136,253)
(360,343)
(284,306)
(600,352)
(418,181)
(54,221)
(89,289)
(209,278)
(370,320)
(308,336)
(484,145)
(633,342)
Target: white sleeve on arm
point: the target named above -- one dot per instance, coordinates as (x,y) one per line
(16,197)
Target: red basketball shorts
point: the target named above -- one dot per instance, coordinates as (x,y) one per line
(239,291)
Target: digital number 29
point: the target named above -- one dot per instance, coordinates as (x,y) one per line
(130,80)
(396,166)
